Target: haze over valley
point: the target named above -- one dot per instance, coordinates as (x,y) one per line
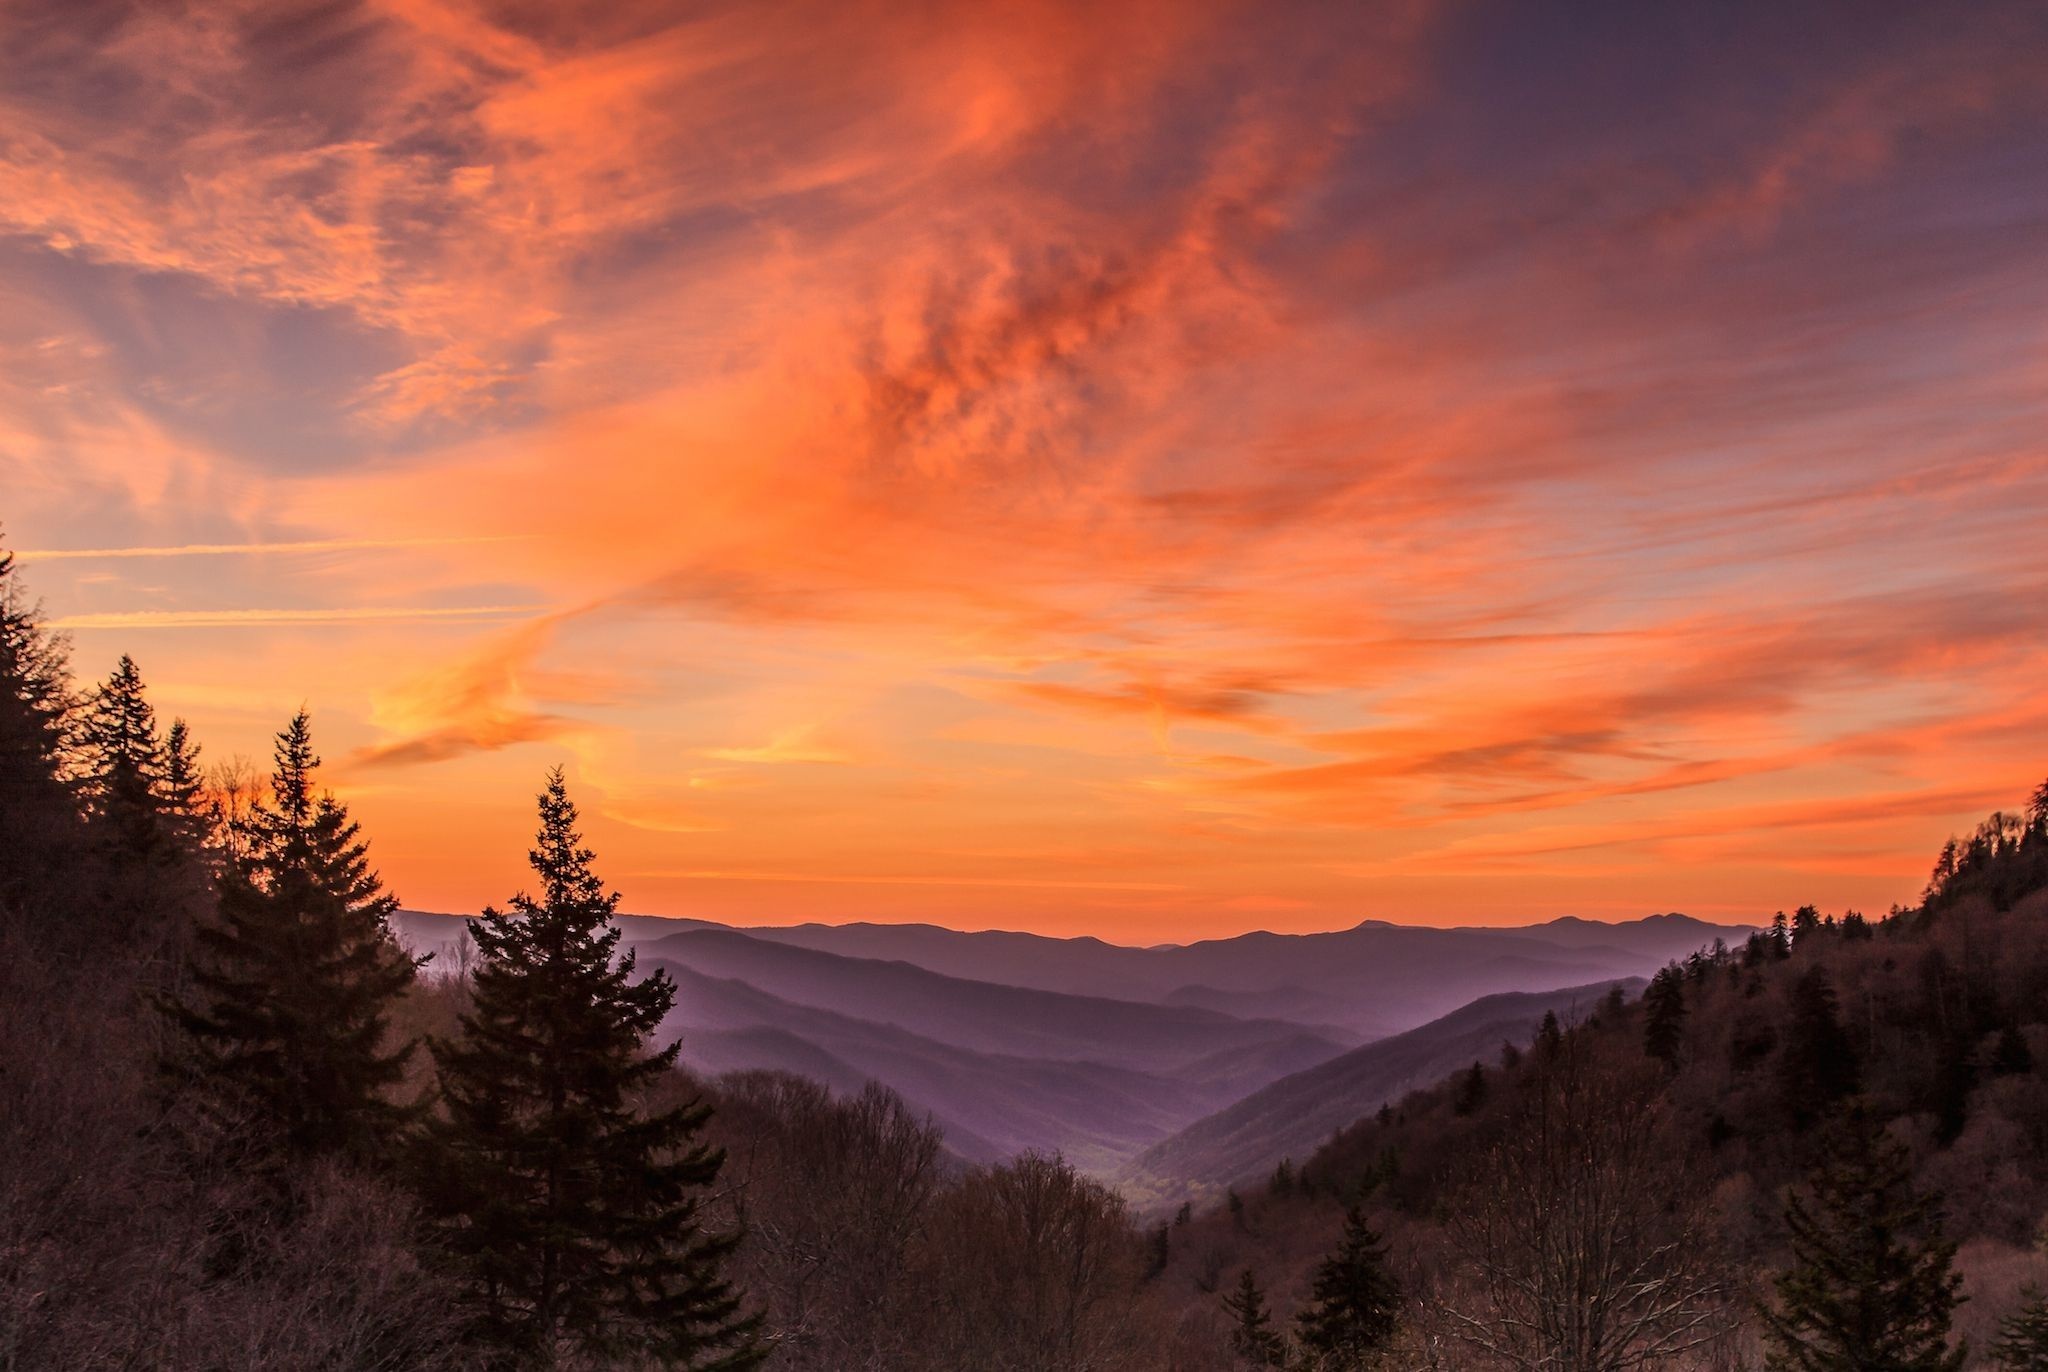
(1100,1052)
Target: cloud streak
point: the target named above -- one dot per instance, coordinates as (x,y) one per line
(263,619)
(316,545)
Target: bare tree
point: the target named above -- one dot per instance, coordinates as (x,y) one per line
(1031,1267)
(1583,1238)
(233,791)
(832,1193)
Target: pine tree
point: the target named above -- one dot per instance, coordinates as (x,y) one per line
(1818,1064)
(1355,1302)
(142,789)
(121,755)
(1158,1250)
(138,791)
(2022,1343)
(183,788)
(1252,1336)
(1549,1037)
(39,833)
(575,1210)
(1471,1090)
(1614,1002)
(297,978)
(1870,1288)
(1664,1023)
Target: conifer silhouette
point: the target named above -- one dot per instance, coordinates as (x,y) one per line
(1252,1336)
(1870,1287)
(574,1208)
(1664,1022)
(296,979)
(1355,1301)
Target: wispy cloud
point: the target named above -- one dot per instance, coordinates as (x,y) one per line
(316,545)
(479,704)
(238,619)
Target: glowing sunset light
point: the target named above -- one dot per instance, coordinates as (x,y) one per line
(1147,470)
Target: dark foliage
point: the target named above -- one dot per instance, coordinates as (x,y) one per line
(1870,1288)
(1253,1339)
(573,1211)
(1818,1065)
(2022,1343)
(1664,1016)
(295,981)
(1354,1302)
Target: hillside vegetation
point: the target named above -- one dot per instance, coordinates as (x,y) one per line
(1734,1083)
(1292,1116)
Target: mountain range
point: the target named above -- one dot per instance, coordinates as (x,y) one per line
(1152,1065)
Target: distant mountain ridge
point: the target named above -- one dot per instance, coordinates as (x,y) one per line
(1101,1051)
(1370,980)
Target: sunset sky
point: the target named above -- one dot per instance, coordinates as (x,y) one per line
(1150,470)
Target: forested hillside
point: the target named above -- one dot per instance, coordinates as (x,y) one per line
(1290,1117)
(1665,1158)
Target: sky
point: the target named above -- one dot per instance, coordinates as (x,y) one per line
(1149,470)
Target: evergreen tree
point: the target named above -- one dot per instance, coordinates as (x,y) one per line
(1664,1023)
(1355,1302)
(1550,1037)
(2011,1055)
(139,791)
(1870,1288)
(1252,1336)
(1158,1250)
(121,754)
(2022,1343)
(39,833)
(1818,1064)
(142,788)
(1471,1090)
(1955,1077)
(183,788)
(297,977)
(573,1208)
